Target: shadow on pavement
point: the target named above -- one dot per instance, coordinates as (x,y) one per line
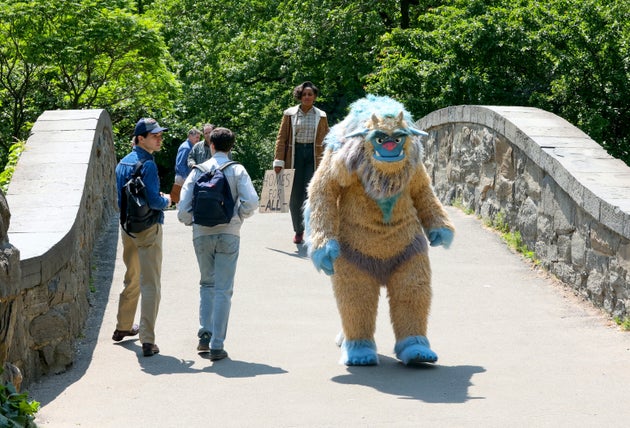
(103,265)
(300,253)
(428,383)
(237,369)
(161,364)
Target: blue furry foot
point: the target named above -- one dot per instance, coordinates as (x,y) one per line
(415,350)
(359,353)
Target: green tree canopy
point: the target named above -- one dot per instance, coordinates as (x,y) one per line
(235,63)
(79,54)
(568,57)
(239,61)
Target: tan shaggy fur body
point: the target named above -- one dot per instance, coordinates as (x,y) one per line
(342,203)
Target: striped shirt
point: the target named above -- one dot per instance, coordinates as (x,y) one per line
(305,127)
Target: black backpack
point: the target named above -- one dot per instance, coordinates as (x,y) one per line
(212,197)
(135,213)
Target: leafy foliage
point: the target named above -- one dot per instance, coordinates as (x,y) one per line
(16,410)
(623,323)
(239,61)
(568,57)
(235,63)
(14,155)
(74,55)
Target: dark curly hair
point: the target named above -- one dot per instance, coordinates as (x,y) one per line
(297,91)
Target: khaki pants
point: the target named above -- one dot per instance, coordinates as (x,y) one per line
(142,256)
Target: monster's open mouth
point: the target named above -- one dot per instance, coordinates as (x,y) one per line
(389,157)
(389,150)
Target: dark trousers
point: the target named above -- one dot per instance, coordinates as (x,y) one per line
(304,164)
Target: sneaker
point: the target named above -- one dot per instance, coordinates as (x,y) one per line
(218,354)
(204,343)
(121,334)
(149,349)
(298,238)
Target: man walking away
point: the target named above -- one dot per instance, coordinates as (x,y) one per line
(217,247)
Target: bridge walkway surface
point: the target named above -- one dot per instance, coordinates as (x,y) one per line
(516,349)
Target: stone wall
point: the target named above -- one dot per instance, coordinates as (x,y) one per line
(61,195)
(10,273)
(566,196)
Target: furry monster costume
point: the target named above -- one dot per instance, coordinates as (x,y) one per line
(370,210)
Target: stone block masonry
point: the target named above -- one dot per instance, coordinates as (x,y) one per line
(563,193)
(61,195)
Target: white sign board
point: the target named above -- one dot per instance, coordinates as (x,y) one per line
(276,191)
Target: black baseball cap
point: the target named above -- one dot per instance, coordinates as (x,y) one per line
(148,124)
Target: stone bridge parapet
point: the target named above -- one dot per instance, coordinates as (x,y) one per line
(61,195)
(568,199)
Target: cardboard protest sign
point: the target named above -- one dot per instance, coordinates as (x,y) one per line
(276,191)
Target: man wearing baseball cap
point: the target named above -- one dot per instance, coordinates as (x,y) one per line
(148,125)
(142,252)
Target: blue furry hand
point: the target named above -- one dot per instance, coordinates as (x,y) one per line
(324,257)
(441,236)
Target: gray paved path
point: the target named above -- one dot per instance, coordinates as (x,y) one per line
(515,349)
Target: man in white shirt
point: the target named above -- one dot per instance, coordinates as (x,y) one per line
(217,247)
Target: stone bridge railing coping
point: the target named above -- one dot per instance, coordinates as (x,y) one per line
(47,189)
(61,195)
(597,182)
(547,180)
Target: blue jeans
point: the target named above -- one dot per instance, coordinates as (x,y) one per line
(216,256)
